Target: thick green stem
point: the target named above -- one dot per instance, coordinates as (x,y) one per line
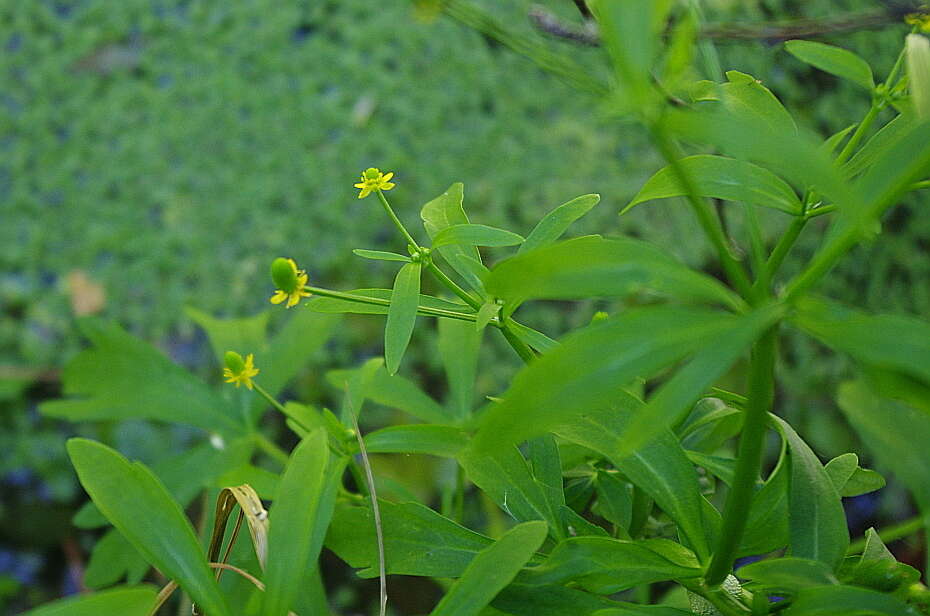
(707,218)
(749,460)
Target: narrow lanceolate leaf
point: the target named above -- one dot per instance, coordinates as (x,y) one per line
(125,601)
(139,506)
(596,267)
(383,298)
(417,540)
(605,566)
(491,570)
(459,344)
(677,395)
(445,211)
(443,441)
(722,178)
(788,574)
(291,524)
(847,601)
(402,315)
(380,255)
(895,432)
(593,365)
(505,477)
(816,521)
(660,468)
(475,235)
(115,379)
(889,341)
(556,222)
(834,60)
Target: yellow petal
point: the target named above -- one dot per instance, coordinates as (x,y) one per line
(360,185)
(387,176)
(278,297)
(387,186)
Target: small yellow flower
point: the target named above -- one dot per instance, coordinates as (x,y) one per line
(289,280)
(239,371)
(921,20)
(372,180)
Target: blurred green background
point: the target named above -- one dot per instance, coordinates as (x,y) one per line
(158,154)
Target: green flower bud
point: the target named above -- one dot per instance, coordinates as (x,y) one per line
(234,362)
(372,173)
(284,274)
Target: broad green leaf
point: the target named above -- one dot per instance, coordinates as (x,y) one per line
(289,350)
(245,335)
(185,474)
(444,441)
(593,365)
(475,235)
(878,569)
(264,482)
(816,520)
(522,600)
(850,479)
(721,178)
(788,574)
(720,467)
(834,60)
(398,393)
(667,406)
(595,267)
(888,341)
(846,601)
(660,469)
(333,305)
(294,514)
(504,476)
(445,211)
(380,255)
(491,570)
(895,432)
(747,101)
(545,464)
(139,506)
(417,540)
(125,601)
(556,222)
(355,385)
(123,377)
(604,566)
(112,559)
(459,344)
(614,500)
(767,527)
(402,315)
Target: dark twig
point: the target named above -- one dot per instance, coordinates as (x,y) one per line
(545,21)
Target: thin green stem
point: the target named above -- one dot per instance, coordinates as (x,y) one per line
(397,223)
(707,218)
(271,400)
(375,513)
(860,132)
(820,211)
(779,253)
(892,533)
(749,460)
(453,286)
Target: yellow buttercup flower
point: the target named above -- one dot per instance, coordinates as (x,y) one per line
(239,371)
(372,180)
(921,20)
(289,280)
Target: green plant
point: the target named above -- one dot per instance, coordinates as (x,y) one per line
(613,485)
